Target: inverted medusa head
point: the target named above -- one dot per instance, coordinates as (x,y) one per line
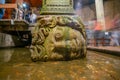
(58,38)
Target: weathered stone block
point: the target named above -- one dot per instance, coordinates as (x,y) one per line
(58,38)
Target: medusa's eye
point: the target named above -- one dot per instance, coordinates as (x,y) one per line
(58,36)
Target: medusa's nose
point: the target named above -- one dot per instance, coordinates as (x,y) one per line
(73,44)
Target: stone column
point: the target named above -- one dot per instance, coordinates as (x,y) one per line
(100,13)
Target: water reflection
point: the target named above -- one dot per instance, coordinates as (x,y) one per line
(16,64)
(7,55)
(14,55)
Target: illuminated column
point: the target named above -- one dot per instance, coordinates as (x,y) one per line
(100,13)
(20,4)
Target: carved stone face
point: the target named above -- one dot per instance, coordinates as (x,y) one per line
(58,38)
(64,42)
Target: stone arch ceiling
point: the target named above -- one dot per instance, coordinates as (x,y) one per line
(32,3)
(37,3)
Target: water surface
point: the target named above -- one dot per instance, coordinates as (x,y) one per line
(16,64)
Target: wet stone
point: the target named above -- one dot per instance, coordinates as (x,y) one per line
(58,38)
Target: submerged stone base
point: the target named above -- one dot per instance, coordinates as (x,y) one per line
(58,38)
(9,40)
(6,40)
